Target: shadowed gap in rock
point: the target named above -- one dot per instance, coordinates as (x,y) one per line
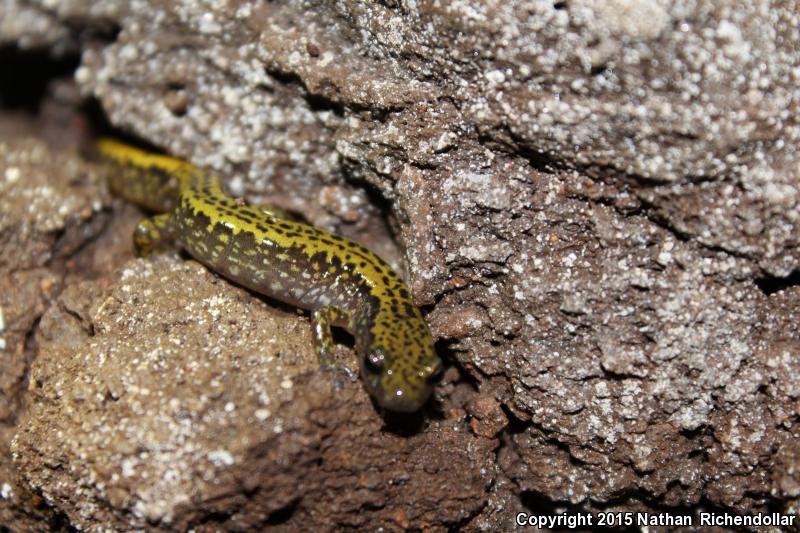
(27,75)
(770,285)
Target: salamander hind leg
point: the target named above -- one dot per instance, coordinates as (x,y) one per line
(152,232)
(323,319)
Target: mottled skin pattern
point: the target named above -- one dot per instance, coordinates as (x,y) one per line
(340,281)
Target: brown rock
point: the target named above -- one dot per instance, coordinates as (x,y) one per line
(177,399)
(597,203)
(51,204)
(488,418)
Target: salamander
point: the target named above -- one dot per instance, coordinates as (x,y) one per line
(339,281)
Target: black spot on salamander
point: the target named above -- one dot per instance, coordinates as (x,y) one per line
(284,225)
(245,240)
(201,218)
(362,264)
(404,293)
(220,228)
(327,242)
(385,280)
(162,174)
(318,257)
(409,310)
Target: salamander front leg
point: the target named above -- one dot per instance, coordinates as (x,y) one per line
(151,232)
(322,319)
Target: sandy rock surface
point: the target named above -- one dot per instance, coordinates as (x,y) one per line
(220,417)
(51,204)
(595,202)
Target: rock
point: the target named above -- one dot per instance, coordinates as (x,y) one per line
(597,204)
(30,26)
(173,400)
(51,204)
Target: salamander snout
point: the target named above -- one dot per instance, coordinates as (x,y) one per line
(401,384)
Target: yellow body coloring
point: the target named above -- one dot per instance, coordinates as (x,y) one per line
(340,281)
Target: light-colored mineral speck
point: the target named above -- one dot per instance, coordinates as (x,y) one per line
(12,174)
(220,458)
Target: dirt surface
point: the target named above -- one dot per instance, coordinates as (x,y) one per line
(595,202)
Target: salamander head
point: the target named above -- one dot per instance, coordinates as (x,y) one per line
(398,385)
(399,368)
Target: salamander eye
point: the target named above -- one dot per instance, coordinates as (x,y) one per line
(374,361)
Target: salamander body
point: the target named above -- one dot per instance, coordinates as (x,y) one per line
(338,280)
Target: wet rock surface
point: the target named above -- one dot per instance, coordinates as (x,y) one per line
(596,202)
